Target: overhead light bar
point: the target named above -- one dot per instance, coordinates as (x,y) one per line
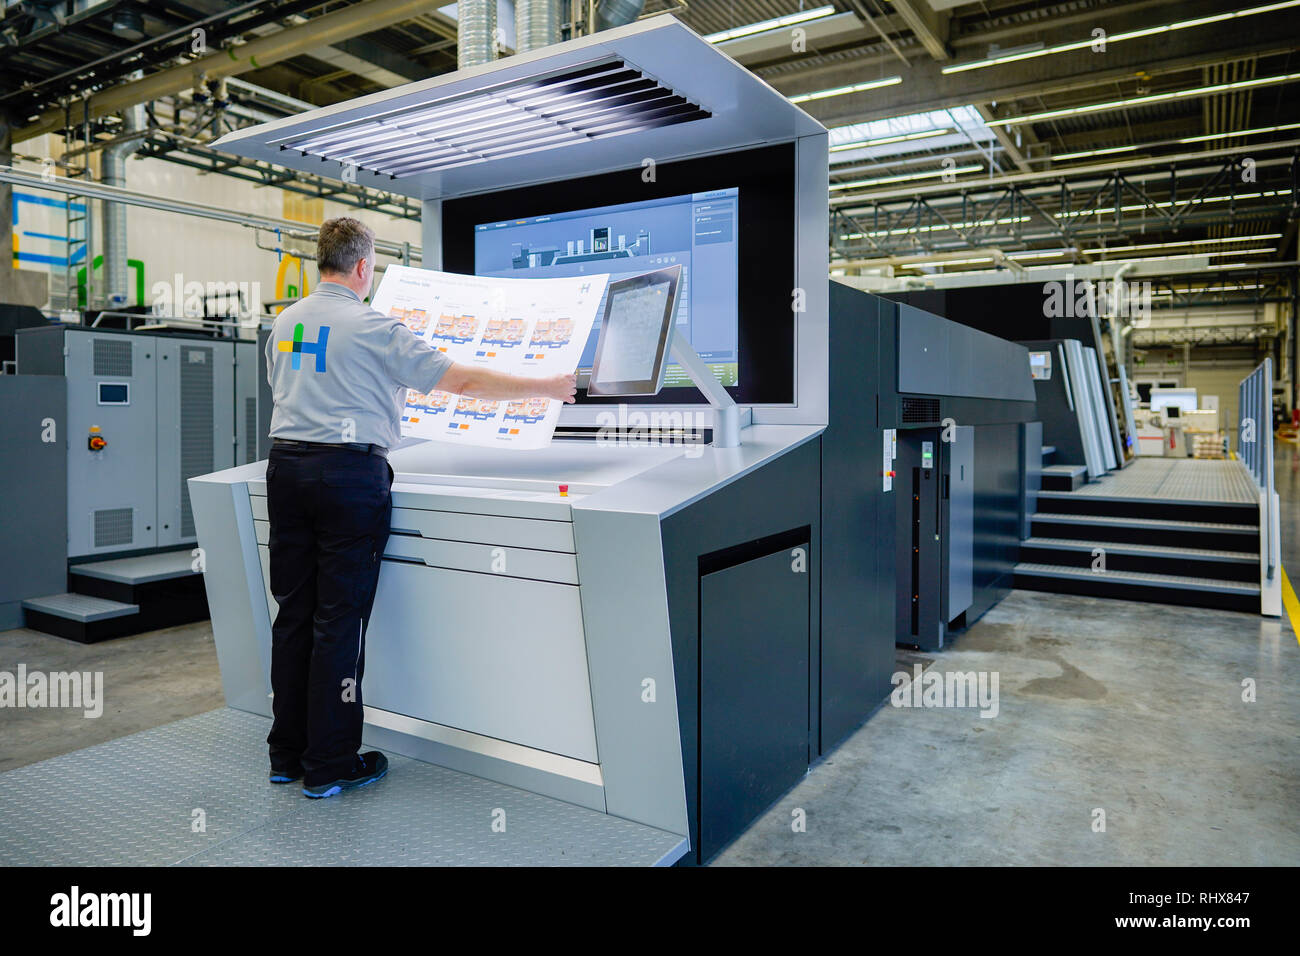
(1144,100)
(1259,131)
(1185,242)
(842,90)
(900,138)
(763,26)
(931,174)
(565,107)
(1014,56)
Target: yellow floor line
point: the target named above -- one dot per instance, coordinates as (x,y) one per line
(1291,604)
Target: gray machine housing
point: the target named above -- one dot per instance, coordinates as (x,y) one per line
(688,628)
(178,405)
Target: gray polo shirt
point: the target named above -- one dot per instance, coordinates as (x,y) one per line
(339,370)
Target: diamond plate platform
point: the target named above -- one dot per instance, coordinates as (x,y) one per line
(132,802)
(1172,479)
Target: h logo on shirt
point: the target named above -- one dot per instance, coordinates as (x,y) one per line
(298,346)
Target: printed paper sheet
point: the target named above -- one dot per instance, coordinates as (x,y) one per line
(534,327)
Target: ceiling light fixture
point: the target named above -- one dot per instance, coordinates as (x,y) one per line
(842,90)
(1144,100)
(1258,131)
(1014,56)
(803,16)
(886,140)
(931,174)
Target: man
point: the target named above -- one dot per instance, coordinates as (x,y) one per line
(338,372)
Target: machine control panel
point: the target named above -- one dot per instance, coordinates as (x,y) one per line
(890,452)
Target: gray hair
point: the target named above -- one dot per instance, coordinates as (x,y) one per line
(343,241)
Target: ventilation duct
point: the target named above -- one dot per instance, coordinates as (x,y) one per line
(617,13)
(537,24)
(117,281)
(476,29)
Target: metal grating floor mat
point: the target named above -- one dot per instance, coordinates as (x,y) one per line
(1171,479)
(132,802)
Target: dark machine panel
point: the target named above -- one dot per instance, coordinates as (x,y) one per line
(754,653)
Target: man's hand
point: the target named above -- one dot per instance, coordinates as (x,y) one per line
(561,387)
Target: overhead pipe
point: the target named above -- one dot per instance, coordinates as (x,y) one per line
(476,22)
(617,13)
(537,24)
(117,280)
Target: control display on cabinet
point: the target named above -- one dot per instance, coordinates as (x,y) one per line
(114,393)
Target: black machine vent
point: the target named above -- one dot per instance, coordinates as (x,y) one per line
(250,430)
(567,106)
(918,411)
(197,456)
(112,357)
(114,526)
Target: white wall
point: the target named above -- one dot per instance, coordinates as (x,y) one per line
(200,250)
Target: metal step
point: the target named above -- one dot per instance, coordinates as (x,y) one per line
(1063,478)
(1154,524)
(1138,579)
(139,570)
(81,608)
(1142,550)
(1049,450)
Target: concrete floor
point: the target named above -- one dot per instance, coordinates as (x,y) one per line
(1131,708)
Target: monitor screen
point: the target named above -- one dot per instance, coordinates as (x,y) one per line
(727,219)
(696,231)
(636,334)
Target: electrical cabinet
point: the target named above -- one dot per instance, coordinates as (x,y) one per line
(146,412)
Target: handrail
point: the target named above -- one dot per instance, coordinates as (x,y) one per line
(1255,447)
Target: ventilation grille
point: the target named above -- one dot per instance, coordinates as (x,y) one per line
(113,358)
(114,526)
(196,425)
(918,410)
(250,430)
(562,108)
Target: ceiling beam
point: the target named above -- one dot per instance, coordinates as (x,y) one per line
(927,26)
(319,31)
(926,87)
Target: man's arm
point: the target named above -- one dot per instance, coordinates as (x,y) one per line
(487,384)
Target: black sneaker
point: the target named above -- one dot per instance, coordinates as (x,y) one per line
(286,776)
(368,768)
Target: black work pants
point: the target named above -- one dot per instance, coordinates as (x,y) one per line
(330,510)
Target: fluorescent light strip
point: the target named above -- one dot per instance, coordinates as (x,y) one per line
(859,183)
(842,90)
(1177,142)
(1144,100)
(900,138)
(1185,242)
(1119,37)
(764,25)
(981,223)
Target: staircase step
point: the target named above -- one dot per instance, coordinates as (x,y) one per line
(1167,532)
(1140,586)
(144,569)
(1154,558)
(1049,450)
(1061,501)
(1064,478)
(80,607)
(81,617)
